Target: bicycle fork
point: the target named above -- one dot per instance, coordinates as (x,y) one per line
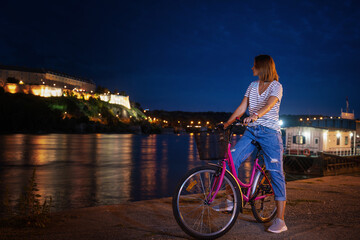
(216,183)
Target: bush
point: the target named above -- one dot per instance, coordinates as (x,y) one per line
(29,210)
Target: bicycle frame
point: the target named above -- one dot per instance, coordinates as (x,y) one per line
(250,188)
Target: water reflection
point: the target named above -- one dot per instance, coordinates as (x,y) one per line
(96,169)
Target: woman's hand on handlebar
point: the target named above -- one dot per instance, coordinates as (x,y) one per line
(226,125)
(251,118)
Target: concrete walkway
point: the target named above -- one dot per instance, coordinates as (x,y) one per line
(318,208)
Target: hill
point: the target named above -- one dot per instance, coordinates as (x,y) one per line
(32,114)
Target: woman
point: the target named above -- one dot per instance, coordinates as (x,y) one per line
(263,99)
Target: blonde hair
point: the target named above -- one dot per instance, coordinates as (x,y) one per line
(266,67)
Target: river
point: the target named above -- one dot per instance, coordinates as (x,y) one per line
(83,170)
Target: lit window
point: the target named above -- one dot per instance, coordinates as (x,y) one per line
(299,139)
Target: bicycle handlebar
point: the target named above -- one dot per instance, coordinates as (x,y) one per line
(237,122)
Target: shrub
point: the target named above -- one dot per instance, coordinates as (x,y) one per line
(29,210)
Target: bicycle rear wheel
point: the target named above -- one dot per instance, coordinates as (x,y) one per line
(192,210)
(263,203)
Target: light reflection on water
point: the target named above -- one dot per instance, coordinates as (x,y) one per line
(82,170)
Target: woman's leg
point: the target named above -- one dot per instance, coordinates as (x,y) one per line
(271,143)
(243,149)
(280,205)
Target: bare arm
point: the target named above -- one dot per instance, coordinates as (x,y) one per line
(238,112)
(269,105)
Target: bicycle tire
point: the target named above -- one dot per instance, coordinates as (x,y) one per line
(194,215)
(264,210)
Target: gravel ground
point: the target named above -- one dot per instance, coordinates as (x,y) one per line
(318,208)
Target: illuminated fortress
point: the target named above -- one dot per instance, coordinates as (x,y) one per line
(48,83)
(30,76)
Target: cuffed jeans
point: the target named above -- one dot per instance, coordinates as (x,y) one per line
(272,148)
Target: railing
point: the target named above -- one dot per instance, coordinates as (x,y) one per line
(314,152)
(344,152)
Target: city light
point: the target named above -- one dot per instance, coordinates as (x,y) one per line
(307,134)
(338,134)
(281,122)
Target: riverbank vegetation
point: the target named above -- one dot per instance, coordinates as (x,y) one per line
(26,113)
(31,209)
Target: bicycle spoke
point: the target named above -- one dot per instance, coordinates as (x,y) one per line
(192,211)
(193,198)
(202,185)
(198,220)
(209,219)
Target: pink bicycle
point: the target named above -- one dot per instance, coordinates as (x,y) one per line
(208,199)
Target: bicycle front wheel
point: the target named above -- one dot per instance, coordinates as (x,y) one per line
(263,201)
(191,207)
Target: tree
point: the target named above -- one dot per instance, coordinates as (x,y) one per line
(101,90)
(12,80)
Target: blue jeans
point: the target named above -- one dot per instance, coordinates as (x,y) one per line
(272,148)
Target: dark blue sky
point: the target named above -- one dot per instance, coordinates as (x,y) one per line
(193,55)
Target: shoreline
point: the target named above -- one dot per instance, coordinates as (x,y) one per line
(322,208)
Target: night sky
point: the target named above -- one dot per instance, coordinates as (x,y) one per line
(193,55)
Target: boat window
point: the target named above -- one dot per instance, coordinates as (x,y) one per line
(299,139)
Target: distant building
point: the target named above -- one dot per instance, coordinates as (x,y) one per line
(336,135)
(116,99)
(31,76)
(303,140)
(47,83)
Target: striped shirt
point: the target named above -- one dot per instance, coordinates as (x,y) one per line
(257,101)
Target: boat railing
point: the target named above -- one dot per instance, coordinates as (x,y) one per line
(344,152)
(313,152)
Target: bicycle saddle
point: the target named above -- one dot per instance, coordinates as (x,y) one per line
(256,144)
